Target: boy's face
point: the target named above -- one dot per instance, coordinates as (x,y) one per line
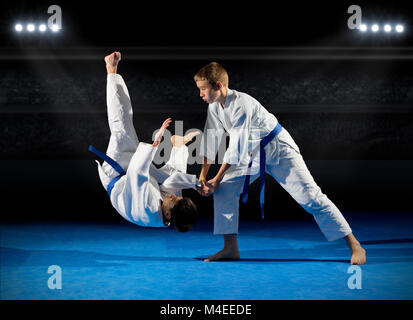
(207,91)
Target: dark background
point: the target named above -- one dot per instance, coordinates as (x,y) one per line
(346,98)
(203,23)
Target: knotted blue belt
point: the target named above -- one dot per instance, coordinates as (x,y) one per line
(263,143)
(114,165)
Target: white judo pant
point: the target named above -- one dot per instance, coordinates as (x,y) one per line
(293,175)
(123,140)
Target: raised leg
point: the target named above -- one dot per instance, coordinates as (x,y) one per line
(123,140)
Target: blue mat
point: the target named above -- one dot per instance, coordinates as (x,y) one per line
(280,259)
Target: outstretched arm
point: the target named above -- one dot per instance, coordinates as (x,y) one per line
(161,131)
(238,146)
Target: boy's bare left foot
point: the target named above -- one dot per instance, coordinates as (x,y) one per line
(179,141)
(226,253)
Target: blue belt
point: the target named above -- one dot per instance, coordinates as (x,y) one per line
(263,143)
(114,165)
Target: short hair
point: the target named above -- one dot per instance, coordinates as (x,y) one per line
(184,213)
(213,72)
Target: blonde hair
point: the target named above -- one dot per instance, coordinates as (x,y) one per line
(213,72)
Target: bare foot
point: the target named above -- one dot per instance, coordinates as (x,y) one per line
(112,61)
(358,255)
(190,136)
(179,141)
(226,253)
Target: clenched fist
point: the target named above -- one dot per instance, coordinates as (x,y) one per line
(112,61)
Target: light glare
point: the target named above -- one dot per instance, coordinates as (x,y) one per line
(18,27)
(30,27)
(387,28)
(399,28)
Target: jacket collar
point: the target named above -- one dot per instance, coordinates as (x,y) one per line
(228,99)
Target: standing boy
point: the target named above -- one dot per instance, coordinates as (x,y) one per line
(258,144)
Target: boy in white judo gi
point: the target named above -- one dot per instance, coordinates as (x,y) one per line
(140,192)
(255,134)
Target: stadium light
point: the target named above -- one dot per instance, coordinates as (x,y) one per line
(18,27)
(399,28)
(55,28)
(31,27)
(375,27)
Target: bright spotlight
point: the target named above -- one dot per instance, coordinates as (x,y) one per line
(363,27)
(399,28)
(30,27)
(42,28)
(387,28)
(55,28)
(18,27)
(375,28)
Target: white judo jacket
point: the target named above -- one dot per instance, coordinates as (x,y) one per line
(137,195)
(247,122)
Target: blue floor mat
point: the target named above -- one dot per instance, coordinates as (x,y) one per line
(280,259)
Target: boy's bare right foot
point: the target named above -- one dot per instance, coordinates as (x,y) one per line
(112,61)
(226,253)
(230,250)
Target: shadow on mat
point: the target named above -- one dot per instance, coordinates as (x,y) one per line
(330,253)
(70,258)
(389,241)
(276,260)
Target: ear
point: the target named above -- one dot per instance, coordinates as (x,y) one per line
(217,85)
